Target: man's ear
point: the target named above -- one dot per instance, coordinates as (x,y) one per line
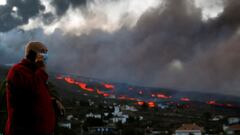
(32,55)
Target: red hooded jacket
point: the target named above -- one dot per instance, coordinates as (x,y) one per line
(29,105)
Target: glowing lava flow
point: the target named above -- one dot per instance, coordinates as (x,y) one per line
(212,102)
(161,96)
(109,86)
(69,80)
(84,87)
(185,99)
(127,98)
(140,103)
(218,104)
(103,93)
(151,104)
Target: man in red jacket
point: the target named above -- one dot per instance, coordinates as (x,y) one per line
(29,105)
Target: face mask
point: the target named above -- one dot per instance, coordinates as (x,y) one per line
(45,57)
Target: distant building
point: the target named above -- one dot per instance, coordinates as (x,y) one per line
(102,131)
(69,117)
(118,116)
(65,124)
(217,118)
(233,120)
(129,108)
(140,117)
(90,102)
(162,106)
(151,131)
(106,114)
(117,111)
(189,129)
(91,115)
(120,119)
(233,129)
(112,97)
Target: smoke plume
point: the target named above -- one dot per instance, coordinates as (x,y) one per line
(169,43)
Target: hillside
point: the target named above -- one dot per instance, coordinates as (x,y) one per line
(158,108)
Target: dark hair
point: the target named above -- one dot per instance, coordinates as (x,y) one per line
(32,55)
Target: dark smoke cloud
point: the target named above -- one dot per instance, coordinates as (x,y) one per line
(230,17)
(206,51)
(63,5)
(26,9)
(48,18)
(215,70)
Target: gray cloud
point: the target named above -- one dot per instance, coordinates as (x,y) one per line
(170,46)
(63,5)
(26,9)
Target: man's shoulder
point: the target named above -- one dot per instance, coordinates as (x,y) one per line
(16,67)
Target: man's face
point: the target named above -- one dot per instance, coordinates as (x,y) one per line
(36,52)
(42,56)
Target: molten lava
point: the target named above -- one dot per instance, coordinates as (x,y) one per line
(140,103)
(127,98)
(151,104)
(69,80)
(163,96)
(84,87)
(109,86)
(185,99)
(103,93)
(213,102)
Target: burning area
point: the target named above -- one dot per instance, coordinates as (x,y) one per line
(141,97)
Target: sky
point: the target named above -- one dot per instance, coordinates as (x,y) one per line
(189,45)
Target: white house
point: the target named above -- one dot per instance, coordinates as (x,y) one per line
(118,116)
(112,97)
(65,124)
(232,130)
(233,120)
(91,115)
(189,129)
(90,102)
(217,118)
(162,106)
(69,117)
(129,108)
(106,114)
(117,111)
(120,119)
